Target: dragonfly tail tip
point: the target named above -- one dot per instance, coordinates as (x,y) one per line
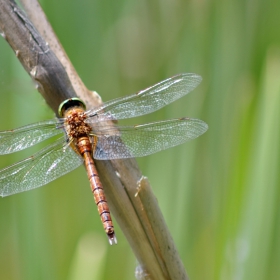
(112,239)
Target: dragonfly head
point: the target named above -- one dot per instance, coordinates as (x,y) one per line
(68,103)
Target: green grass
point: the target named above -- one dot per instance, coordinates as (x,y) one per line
(219,194)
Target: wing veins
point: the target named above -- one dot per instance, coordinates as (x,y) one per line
(27,136)
(146,139)
(43,167)
(147,100)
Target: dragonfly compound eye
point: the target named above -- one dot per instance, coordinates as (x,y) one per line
(68,103)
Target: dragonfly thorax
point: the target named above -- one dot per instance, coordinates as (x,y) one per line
(75,124)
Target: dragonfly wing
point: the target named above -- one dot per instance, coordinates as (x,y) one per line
(27,136)
(147,100)
(45,166)
(143,140)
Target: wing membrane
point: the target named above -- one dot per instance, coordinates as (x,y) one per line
(38,170)
(147,100)
(24,137)
(143,140)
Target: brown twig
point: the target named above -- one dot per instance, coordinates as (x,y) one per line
(138,215)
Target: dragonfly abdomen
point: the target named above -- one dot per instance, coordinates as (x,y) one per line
(85,149)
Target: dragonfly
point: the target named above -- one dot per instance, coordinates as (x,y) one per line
(84,136)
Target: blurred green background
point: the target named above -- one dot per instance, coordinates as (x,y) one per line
(219,193)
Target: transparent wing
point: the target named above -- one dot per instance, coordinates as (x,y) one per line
(147,100)
(143,140)
(27,136)
(39,169)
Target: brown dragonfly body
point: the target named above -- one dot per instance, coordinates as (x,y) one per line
(78,132)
